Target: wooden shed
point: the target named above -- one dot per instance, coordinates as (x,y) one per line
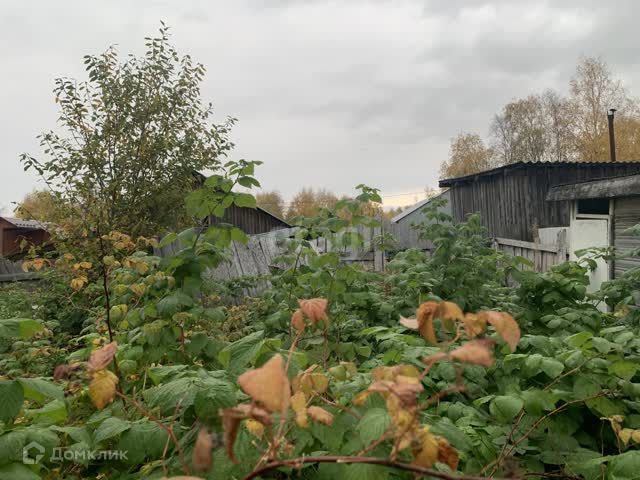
(607,210)
(13,231)
(251,221)
(512,199)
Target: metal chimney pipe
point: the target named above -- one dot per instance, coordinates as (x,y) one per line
(612,135)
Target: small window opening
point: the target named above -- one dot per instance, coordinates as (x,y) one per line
(593,206)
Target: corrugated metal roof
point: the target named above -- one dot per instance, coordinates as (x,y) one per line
(447,182)
(20,223)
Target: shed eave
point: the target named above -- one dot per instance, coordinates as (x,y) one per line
(625,186)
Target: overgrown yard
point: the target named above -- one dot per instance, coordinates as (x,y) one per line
(329,374)
(119,364)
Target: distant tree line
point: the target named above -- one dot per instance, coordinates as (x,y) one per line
(548,126)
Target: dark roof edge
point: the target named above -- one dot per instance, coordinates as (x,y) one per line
(447,182)
(619,186)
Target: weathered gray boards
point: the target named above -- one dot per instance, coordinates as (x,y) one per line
(512,199)
(621,197)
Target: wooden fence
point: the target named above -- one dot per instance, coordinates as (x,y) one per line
(12,272)
(542,256)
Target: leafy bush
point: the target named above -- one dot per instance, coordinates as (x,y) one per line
(334,371)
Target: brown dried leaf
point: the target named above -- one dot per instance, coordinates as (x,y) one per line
(102,388)
(407,393)
(297,321)
(102,357)
(425,314)
(320,415)
(231,418)
(479,352)
(203,451)
(474,325)
(64,371)
(447,454)
(268,385)
(410,323)
(315,309)
(299,406)
(505,325)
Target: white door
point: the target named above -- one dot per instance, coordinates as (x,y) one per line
(588,233)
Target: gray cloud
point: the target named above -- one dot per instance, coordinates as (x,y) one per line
(327,93)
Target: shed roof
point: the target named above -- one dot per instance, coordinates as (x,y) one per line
(20,223)
(447,182)
(415,207)
(621,186)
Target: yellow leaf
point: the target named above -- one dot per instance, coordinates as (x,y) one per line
(625,435)
(505,325)
(320,415)
(299,406)
(449,313)
(102,388)
(78,282)
(425,453)
(254,427)
(86,265)
(474,325)
(268,385)
(138,289)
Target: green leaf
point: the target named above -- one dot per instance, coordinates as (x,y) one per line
(373,424)
(551,367)
(167,395)
(19,327)
(18,471)
(537,401)
(168,239)
(215,395)
(52,413)
(144,440)
(624,467)
(110,428)
(39,389)
(11,444)
(505,407)
(624,369)
(11,399)
(239,354)
(244,200)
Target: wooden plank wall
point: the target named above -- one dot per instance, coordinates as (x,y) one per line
(250,220)
(542,256)
(12,271)
(626,214)
(512,201)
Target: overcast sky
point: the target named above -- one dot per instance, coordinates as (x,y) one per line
(327,93)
